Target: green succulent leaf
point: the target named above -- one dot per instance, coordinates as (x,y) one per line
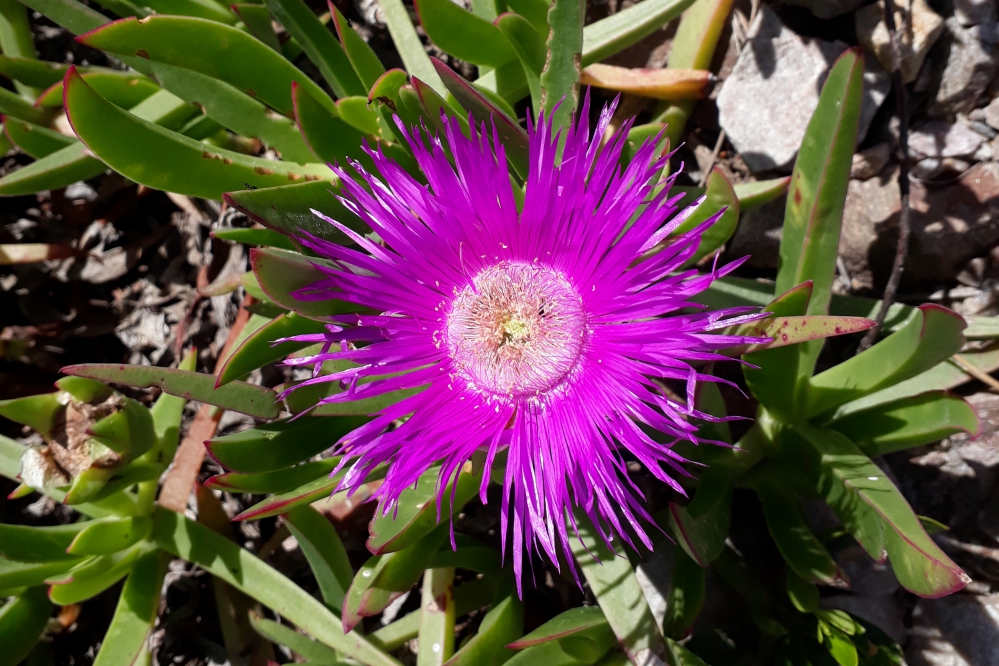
(408,44)
(282,273)
(320,46)
(572,621)
(931,335)
(93,576)
(463,34)
(240,397)
(206,9)
(328,136)
(416,513)
(817,194)
(502,624)
(872,509)
(124,89)
(137,610)
(303,646)
(110,535)
(535,11)
(325,552)
(685,598)
(801,549)
(35,140)
(279,444)
(617,32)
(15,574)
(259,349)
(367,65)
(38,544)
(30,71)
(560,76)
(305,494)
(278,481)
(22,621)
(612,581)
(213,49)
(719,195)
(908,422)
(257,19)
(437,613)
(247,573)
(39,412)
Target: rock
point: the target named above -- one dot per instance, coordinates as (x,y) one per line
(992,114)
(975,12)
(959,630)
(940,139)
(926,27)
(926,169)
(777,64)
(971,64)
(950,225)
(982,128)
(825,9)
(868,163)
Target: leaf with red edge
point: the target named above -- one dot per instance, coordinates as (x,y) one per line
(463,34)
(259,349)
(281,274)
(239,397)
(570,622)
(792,330)
(308,493)
(277,481)
(279,444)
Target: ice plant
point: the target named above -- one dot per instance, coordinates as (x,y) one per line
(542,331)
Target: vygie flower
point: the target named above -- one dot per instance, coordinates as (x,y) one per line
(542,331)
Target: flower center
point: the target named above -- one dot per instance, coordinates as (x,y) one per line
(518,330)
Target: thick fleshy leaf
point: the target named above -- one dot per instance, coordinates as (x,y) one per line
(701,527)
(801,549)
(325,132)
(128,432)
(873,510)
(618,31)
(38,544)
(535,11)
(437,613)
(206,9)
(272,446)
(35,140)
(814,213)
(669,84)
(530,49)
(320,45)
(719,195)
(238,396)
(306,398)
(760,192)
(502,624)
(514,137)
(305,494)
(463,34)
(137,610)
(366,64)
(22,621)
(109,535)
(573,621)
(313,651)
(322,547)
(12,104)
(288,209)
(902,424)
(469,596)
(774,380)
(416,513)
(384,578)
(17,39)
(214,49)
(560,76)
(360,115)
(685,598)
(255,236)
(693,47)
(38,412)
(277,481)
(257,19)
(15,574)
(70,14)
(409,45)
(282,273)
(95,575)
(786,331)
(124,89)
(612,581)
(183,165)
(243,570)
(931,335)
(259,349)
(236,110)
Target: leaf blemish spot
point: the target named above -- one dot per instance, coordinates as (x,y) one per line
(142,53)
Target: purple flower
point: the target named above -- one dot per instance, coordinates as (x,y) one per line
(540,331)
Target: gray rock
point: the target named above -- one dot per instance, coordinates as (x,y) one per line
(940,139)
(926,169)
(959,630)
(975,12)
(777,64)
(919,32)
(868,163)
(950,225)
(971,64)
(825,9)
(992,113)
